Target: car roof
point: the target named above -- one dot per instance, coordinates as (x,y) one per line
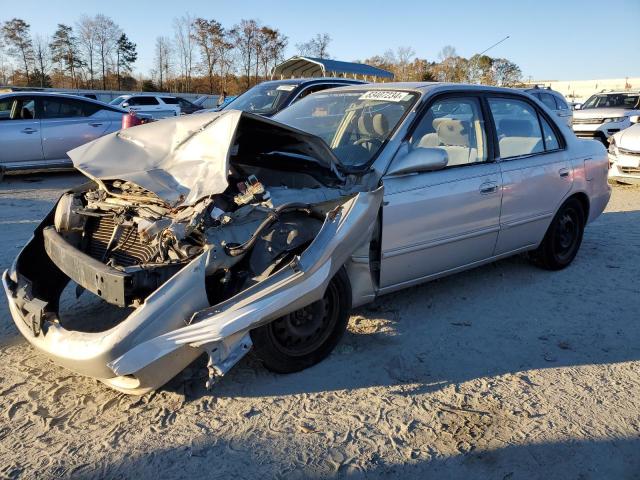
(71,96)
(427,87)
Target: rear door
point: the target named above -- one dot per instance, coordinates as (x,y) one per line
(68,123)
(536,172)
(436,222)
(20,135)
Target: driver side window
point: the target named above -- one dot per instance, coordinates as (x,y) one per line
(455,125)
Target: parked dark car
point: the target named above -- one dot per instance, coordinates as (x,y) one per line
(268,98)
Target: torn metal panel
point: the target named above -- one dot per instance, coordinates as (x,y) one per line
(299,284)
(186,158)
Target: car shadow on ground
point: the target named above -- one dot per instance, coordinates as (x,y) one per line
(505,317)
(215,457)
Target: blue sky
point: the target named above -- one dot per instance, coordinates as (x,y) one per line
(560,40)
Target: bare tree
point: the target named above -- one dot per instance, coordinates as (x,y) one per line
(185,43)
(404,56)
(162,61)
(42,55)
(317,47)
(87,40)
(272,48)
(17,36)
(209,36)
(244,37)
(107,34)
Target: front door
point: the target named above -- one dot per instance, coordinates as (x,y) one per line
(19,130)
(68,123)
(436,222)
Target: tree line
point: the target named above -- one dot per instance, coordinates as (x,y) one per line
(450,67)
(201,56)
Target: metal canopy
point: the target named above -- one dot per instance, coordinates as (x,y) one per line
(297,67)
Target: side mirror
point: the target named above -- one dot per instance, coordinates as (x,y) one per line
(577,106)
(418,160)
(125,105)
(634,118)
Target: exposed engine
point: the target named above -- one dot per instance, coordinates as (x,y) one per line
(133,232)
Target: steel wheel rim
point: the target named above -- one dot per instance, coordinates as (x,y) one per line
(566,234)
(304,331)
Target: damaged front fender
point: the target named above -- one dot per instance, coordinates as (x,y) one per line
(223,328)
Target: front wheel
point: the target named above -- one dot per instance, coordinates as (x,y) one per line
(563,238)
(305,337)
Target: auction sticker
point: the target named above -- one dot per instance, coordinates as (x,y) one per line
(385,95)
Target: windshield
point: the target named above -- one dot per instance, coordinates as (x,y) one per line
(262,99)
(118,100)
(613,100)
(355,124)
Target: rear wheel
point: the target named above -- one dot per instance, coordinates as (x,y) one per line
(563,238)
(305,337)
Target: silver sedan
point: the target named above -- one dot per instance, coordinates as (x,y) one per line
(222,232)
(37,129)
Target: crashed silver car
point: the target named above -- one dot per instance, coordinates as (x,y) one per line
(217,233)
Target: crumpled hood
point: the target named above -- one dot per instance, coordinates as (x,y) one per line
(602,113)
(629,138)
(181,159)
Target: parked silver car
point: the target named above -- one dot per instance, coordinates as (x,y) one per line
(37,129)
(220,232)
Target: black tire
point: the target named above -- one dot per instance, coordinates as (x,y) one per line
(563,238)
(305,337)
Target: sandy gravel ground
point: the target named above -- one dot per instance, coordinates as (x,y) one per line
(504,372)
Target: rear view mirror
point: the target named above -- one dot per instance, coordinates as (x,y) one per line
(418,160)
(634,118)
(577,106)
(125,104)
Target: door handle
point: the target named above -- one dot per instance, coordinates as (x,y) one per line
(563,172)
(29,130)
(488,187)
(96,124)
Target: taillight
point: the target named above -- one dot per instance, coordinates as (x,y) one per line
(130,120)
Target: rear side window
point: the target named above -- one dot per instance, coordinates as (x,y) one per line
(67,108)
(170,100)
(548,100)
(562,105)
(550,138)
(517,127)
(135,101)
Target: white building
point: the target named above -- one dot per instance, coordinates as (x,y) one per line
(579,90)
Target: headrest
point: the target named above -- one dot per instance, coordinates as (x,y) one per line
(365,125)
(437,121)
(515,128)
(380,125)
(453,132)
